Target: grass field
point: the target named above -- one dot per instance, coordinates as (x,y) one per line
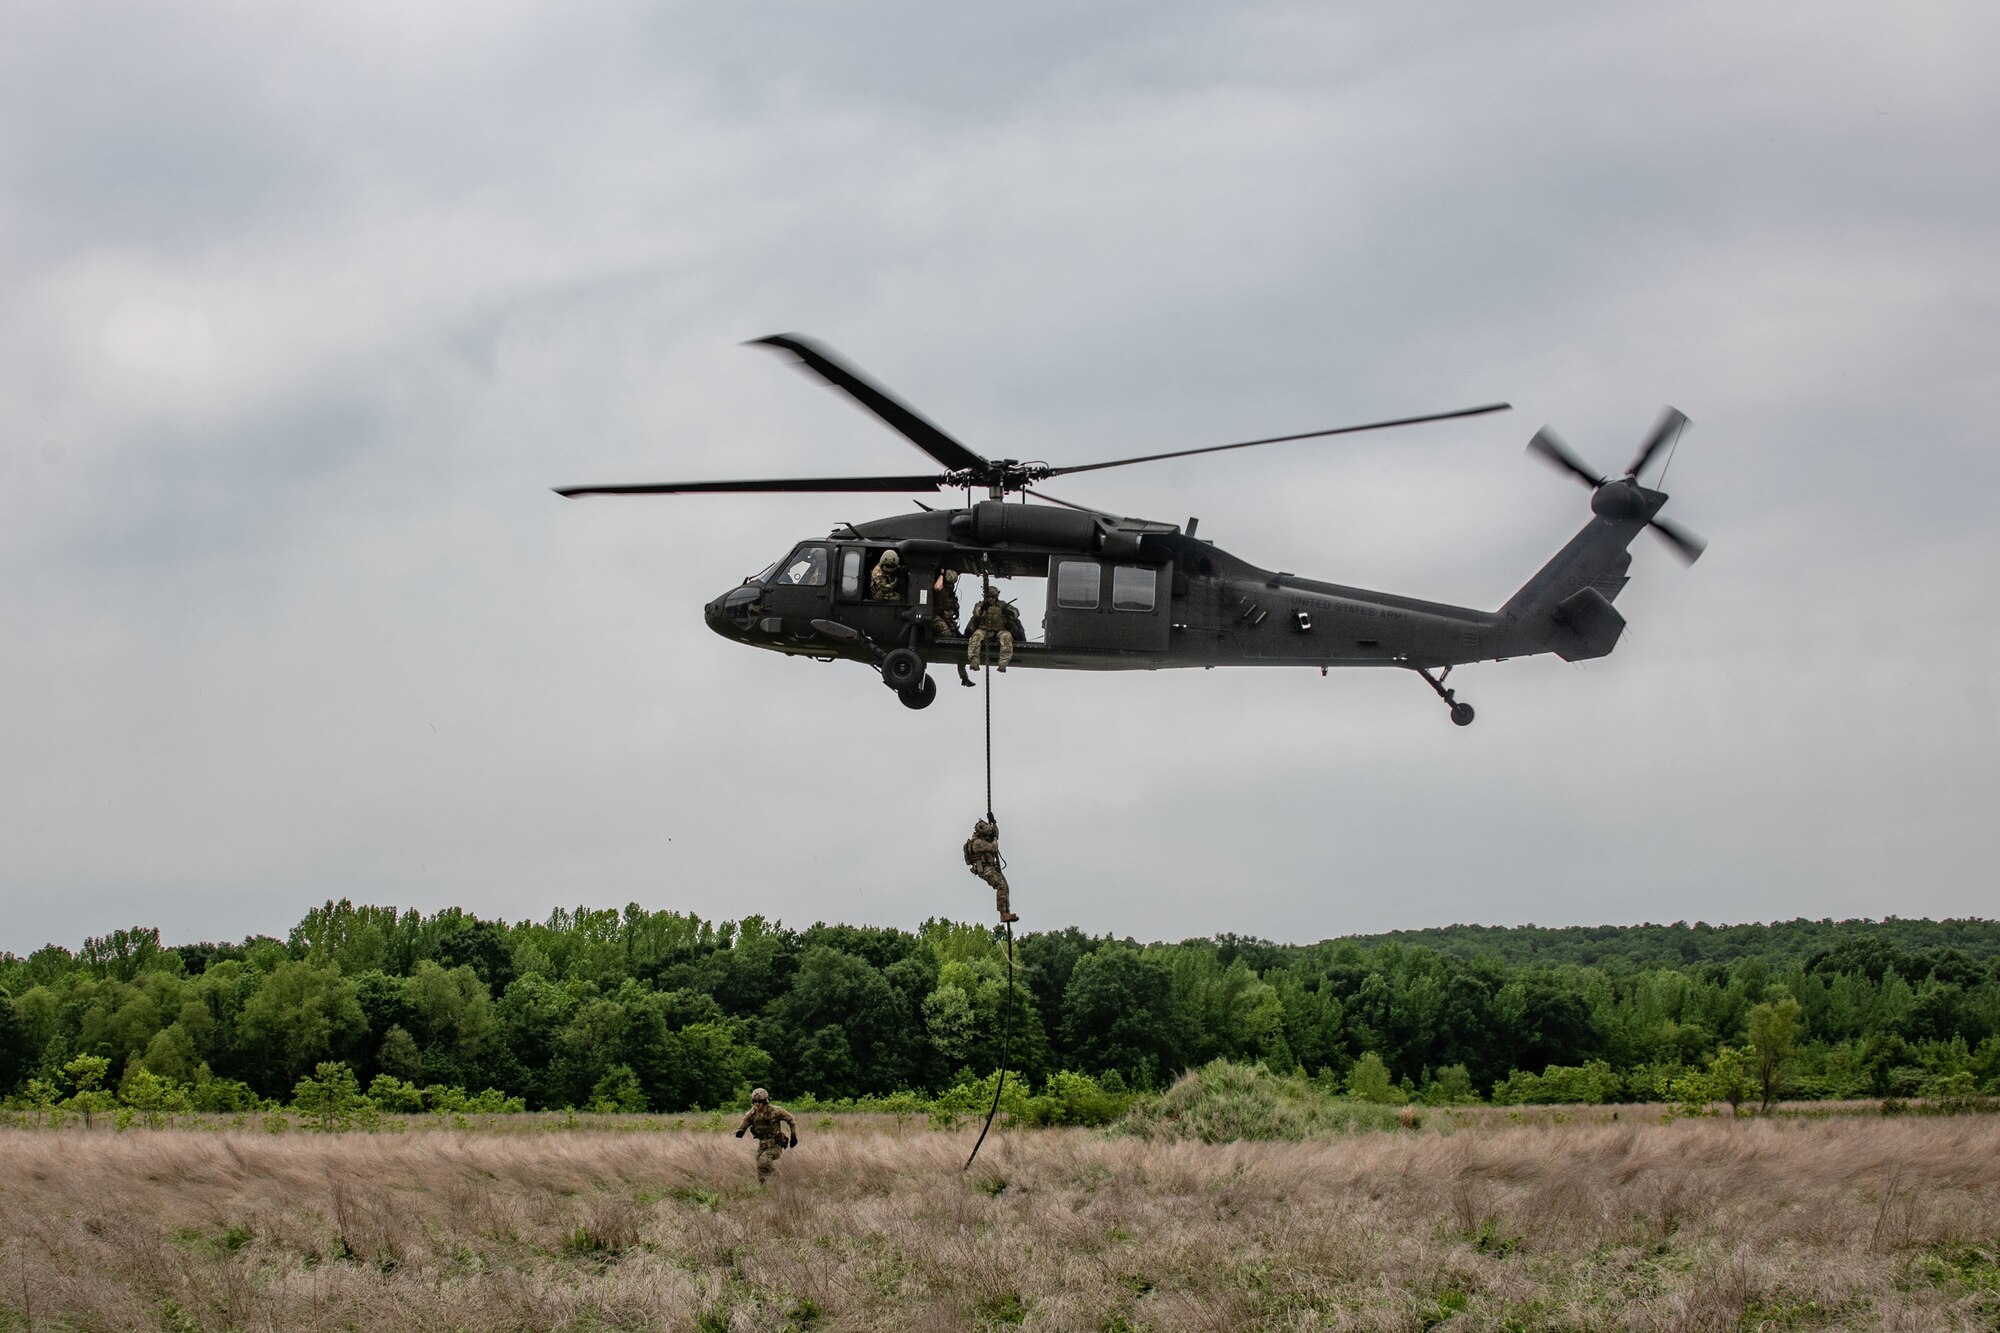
(1788,1223)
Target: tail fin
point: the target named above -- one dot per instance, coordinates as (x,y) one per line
(1566,607)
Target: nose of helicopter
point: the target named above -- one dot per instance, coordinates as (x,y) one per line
(730,614)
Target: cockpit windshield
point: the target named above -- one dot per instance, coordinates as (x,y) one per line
(764,577)
(805,567)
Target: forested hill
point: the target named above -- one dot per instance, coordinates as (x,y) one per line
(664,1010)
(1681,944)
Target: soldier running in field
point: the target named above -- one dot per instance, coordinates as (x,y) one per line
(995,617)
(982,857)
(769,1124)
(944,613)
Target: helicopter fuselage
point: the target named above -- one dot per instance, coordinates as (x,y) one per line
(1118,594)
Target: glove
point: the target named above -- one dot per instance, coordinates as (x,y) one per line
(739,1133)
(795,1141)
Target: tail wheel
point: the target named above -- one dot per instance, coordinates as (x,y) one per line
(919,695)
(1461,715)
(902,669)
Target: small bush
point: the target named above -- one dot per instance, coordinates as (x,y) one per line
(393,1096)
(1589,1084)
(1074,1099)
(1223,1103)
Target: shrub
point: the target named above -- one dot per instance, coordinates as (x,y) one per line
(1588,1084)
(1368,1081)
(618,1090)
(391,1094)
(1074,1099)
(225,1095)
(331,1097)
(1223,1102)
(153,1097)
(1449,1086)
(974,1097)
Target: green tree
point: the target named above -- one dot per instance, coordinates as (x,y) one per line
(299,1017)
(1774,1035)
(332,1096)
(1368,1081)
(153,1097)
(1118,1014)
(13,1046)
(84,1075)
(618,1090)
(399,1056)
(1728,1077)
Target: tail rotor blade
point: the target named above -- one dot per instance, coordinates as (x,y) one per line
(1683,543)
(1558,455)
(1669,426)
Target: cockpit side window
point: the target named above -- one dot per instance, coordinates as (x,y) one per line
(805,568)
(850,572)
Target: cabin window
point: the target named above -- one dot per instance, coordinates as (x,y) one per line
(805,567)
(1076,585)
(1133,588)
(850,572)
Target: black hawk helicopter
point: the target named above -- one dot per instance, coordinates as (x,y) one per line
(1128,594)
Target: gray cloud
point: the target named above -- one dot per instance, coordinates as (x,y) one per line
(304,314)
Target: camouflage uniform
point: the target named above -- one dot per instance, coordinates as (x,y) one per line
(767,1123)
(944,614)
(982,856)
(991,616)
(884,581)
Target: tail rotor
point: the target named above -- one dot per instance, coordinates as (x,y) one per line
(1623,497)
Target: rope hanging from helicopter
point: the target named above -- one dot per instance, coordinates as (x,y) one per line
(1006,1014)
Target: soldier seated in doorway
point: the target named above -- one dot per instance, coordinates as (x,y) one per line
(885,582)
(996,618)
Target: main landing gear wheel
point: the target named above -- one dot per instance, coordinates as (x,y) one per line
(919,695)
(902,668)
(1461,714)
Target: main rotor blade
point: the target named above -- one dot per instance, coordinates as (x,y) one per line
(856,484)
(1280,439)
(898,415)
(1066,504)
(1550,446)
(1683,543)
(1669,425)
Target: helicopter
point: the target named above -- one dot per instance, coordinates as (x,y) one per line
(1132,594)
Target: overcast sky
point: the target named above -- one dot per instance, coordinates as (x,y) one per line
(303,310)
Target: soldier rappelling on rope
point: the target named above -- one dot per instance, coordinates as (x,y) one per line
(982,857)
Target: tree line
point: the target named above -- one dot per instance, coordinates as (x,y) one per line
(664,1011)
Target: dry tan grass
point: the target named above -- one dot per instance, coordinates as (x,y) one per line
(1692,1225)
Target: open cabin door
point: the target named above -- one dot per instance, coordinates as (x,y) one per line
(1101,604)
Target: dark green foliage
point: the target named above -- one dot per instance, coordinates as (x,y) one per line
(664,1011)
(14,1051)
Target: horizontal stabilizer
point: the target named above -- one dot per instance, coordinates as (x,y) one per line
(1587,626)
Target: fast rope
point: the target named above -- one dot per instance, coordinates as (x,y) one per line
(1007,1014)
(1006,1049)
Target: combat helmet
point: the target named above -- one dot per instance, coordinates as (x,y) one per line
(986,828)
(759,1095)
